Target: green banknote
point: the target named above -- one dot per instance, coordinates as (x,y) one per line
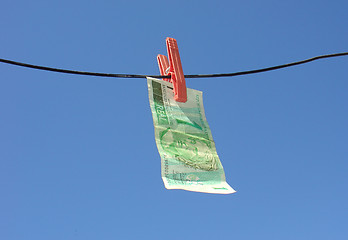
(188,155)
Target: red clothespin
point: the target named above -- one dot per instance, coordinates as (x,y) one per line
(173,69)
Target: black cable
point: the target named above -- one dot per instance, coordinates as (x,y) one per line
(266,69)
(115,75)
(159,76)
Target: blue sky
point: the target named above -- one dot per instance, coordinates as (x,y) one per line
(78,158)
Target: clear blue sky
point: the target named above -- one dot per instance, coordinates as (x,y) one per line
(78,158)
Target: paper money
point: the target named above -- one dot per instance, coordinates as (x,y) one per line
(188,155)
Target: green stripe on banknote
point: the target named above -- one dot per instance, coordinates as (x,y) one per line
(161,113)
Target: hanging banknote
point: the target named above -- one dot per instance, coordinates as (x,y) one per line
(188,155)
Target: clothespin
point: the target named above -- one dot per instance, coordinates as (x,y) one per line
(173,69)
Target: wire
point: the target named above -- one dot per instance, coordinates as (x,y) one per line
(267,69)
(115,75)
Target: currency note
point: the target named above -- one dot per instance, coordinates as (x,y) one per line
(188,155)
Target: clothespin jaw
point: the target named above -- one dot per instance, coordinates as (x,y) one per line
(163,66)
(173,68)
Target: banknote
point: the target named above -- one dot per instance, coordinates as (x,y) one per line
(188,155)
